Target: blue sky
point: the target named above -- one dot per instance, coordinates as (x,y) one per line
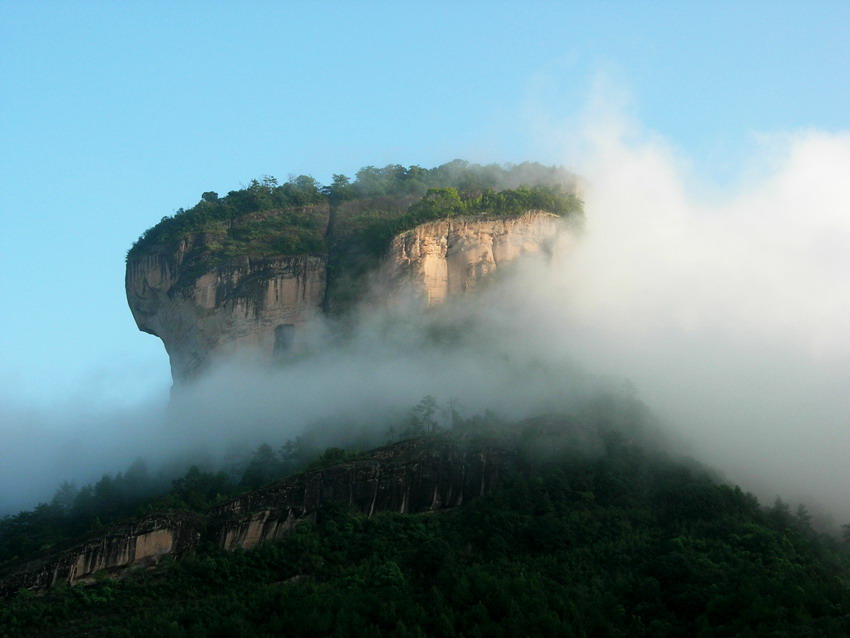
(113,115)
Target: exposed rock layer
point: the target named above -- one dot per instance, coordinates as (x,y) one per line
(409,477)
(141,543)
(244,302)
(448,257)
(203,308)
(413,476)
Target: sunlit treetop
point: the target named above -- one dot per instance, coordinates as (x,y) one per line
(300,215)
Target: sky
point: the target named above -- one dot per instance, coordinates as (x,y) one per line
(115,115)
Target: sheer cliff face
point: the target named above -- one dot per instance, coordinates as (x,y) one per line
(203,311)
(418,475)
(140,543)
(441,259)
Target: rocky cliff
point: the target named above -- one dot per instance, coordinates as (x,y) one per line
(412,476)
(203,308)
(440,259)
(140,543)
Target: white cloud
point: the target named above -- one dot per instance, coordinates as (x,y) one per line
(727,308)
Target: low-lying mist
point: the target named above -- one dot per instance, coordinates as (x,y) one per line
(727,313)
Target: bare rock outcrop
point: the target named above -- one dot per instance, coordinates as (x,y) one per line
(444,258)
(205,307)
(206,310)
(141,543)
(413,476)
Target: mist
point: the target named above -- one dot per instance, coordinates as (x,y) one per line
(726,306)
(725,309)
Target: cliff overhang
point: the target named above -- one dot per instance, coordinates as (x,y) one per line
(206,306)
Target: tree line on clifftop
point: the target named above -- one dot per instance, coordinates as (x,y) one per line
(368,210)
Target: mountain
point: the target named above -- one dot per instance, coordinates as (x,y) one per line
(570,529)
(250,270)
(411,476)
(581,523)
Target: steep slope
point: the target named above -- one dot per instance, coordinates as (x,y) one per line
(245,301)
(205,308)
(139,543)
(449,257)
(413,476)
(248,270)
(599,537)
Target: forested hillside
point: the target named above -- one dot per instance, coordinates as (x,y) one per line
(614,539)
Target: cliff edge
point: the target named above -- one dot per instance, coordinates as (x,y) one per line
(417,475)
(206,309)
(255,302)
(440,259)
(250,269)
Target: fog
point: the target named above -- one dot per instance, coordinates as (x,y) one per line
(726,309)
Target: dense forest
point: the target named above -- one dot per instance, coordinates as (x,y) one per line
(406,195)
(618,539)
(140,490)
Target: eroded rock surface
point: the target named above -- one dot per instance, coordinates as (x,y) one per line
(413,476)
(409,477)
(141,543)
(244,302)
(204,308)
(452,256)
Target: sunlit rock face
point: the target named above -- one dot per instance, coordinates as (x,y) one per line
(437,260)
(205,309)
(138,544)
(202,313)
(418,475)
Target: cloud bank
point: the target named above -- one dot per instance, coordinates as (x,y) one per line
(727,311)
(730,310)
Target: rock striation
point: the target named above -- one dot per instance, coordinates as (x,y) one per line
(203,311)
(204,308)
(444,258)
(141,543)
(412,476)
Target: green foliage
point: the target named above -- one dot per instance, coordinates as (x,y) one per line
(609,539)
(135,492)
(267,218)
(470,179)
(195,491)
(350,222)
(620,543)
(72,512)
(217,215)
(421,420)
